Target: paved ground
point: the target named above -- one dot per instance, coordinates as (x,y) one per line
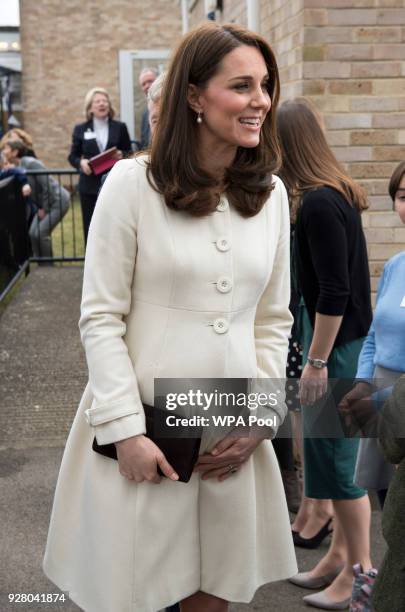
(42,374)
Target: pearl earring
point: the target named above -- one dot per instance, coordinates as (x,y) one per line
(199,118)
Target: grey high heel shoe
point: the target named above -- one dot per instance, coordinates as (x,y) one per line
(306,581)
(322,601)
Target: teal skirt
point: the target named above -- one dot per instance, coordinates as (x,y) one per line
(330,457)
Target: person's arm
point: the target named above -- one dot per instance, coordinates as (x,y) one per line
(324,226)
(42,186)
(365,369)
(363,386)
(20,175)
(124,144)
(116,414)
(273,320)
(117,411)
(76,148)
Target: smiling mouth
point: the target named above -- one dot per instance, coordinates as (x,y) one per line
(250,121)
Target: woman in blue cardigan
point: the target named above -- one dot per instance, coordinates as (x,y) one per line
(382,359)
(381,363)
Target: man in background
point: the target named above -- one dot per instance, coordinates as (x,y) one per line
(146,78)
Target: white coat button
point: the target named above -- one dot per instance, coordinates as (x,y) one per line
(222,205)
(223,244)
(224,284)
(221,326)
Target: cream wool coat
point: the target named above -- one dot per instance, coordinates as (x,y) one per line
(168,295)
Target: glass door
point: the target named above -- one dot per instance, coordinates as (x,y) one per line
(132,98)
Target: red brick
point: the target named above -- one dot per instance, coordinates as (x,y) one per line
(352,17)
(376,69)
(354,51)
(372,170)
(391,120)
(350,87)
(389,153)
(376,34)
(373,137)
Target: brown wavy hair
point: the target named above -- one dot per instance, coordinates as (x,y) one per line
(395,180)
(307,160)
(173,168)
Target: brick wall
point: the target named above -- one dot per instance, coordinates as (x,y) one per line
(348,56)
(354,63)
(282,24)
(69,47)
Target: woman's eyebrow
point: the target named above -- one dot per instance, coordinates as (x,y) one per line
(248,77)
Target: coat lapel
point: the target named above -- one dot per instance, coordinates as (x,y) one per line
(92,144)
(113,134)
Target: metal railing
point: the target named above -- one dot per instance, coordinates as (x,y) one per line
(58,236)
(45,227)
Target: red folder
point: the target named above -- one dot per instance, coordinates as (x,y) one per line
(103,161)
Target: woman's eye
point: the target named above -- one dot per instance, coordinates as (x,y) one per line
(241,86)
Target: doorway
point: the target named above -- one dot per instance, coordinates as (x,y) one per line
(132,98)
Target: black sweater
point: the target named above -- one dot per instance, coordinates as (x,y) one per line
(331,262)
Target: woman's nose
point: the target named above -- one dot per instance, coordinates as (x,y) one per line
(261,99)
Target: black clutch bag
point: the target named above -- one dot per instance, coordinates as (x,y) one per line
(180,450)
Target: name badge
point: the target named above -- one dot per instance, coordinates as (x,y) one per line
(403,302)
(89,135)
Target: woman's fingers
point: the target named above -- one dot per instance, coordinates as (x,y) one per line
(311,390)
(224,444)
(166,468)
(204,467)
(220,473)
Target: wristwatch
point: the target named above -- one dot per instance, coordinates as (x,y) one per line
(317,363)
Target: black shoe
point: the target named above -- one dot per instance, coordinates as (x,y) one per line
(316,540)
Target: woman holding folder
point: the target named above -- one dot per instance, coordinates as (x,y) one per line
(98,133)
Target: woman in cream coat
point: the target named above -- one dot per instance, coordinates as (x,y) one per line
(172,290)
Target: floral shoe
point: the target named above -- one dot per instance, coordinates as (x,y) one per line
(362,588)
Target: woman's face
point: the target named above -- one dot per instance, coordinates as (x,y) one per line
(399,201)
(235,102)
(9,155)
(100,106)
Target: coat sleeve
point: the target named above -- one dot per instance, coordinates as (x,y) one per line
(329,251)
(365,368)
(125,141)
(117,411)
(273,319)
(42,185)
(76,149)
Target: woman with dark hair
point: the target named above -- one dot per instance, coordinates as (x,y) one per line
(99,132)
(332,275)
(382,359)
(381,363)
(186,276)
